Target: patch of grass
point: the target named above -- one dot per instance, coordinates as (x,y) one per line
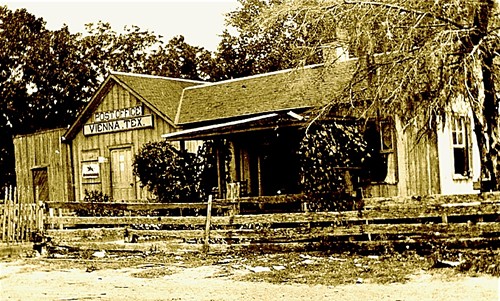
(320,269)
(156,272)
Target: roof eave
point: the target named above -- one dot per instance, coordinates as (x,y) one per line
(94,102)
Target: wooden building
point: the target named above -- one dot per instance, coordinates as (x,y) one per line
(42,165)
(264,117)
(127,111)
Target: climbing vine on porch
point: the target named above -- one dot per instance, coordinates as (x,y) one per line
(331,155)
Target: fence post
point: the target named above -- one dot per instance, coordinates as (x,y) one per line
(206,245)
(39,216)
(51,216)
(4,215)
(61,225)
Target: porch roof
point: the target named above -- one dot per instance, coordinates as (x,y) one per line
(216,129)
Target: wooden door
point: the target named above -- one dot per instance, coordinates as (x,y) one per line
(122,178)
(41,184)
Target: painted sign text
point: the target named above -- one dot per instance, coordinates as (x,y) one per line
(118,125)
(118,114)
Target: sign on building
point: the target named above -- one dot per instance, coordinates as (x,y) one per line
(90,170)
(118,120)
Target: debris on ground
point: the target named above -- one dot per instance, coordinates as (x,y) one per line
(258,269)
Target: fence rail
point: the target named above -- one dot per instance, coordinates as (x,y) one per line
(446,218)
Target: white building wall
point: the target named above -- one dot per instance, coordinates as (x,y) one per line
(452,183)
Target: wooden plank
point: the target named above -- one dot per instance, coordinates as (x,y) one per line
(439,231)
(277,199)
(277,218)
(128,220)
(382,205)
(206,245)
(127,206)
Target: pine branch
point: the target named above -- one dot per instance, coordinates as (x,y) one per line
(404,9)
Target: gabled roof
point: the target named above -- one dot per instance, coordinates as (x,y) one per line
(306,87)
(160,94)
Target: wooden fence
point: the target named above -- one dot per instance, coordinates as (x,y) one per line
(283,222)
(19,220)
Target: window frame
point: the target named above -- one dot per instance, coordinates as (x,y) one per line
(460,142)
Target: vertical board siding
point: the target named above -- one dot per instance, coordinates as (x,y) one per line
(43,150)
(417,166)
(422,174)
(117,98)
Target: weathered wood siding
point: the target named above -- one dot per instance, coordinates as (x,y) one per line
(39,152)
(417,166)
(98,148)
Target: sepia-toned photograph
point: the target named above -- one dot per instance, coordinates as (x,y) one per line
(250,150)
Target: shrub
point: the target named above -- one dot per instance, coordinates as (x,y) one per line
(175,175)
(94,197)
(330,156)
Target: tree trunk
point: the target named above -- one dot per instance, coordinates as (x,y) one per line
(486,115)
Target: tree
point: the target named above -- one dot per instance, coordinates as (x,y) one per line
(415,59)
(43,80)
(256,49)
(178,59)
(106,50)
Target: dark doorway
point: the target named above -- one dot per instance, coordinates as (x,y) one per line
(280,163)
(40,184)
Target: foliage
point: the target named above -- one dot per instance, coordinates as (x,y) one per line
(94,198)
(206,169)
(330,155)
(167,172)
(415,58)
(177,175)
(256,49)
(43,80)
(180,60)
(140,51)
(46,77)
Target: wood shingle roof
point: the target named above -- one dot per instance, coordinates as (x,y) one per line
(163,93)
(306,87)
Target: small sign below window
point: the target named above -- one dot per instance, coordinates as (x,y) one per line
(90,170)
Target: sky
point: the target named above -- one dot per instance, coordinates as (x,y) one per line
(200,21)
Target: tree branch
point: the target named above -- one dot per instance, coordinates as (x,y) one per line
(405,9)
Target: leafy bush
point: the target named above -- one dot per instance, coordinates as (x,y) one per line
(330,158)
(94,197)
(175,175)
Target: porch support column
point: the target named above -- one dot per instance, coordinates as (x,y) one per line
(259,174)
(220,174)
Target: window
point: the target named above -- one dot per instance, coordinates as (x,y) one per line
(387,150)
(381,165)
(460,142)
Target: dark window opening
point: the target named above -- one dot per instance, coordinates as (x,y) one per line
(460,141)
(380,164)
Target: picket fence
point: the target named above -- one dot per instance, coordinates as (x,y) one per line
(19,220)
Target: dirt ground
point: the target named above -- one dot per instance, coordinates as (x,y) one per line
(263,277)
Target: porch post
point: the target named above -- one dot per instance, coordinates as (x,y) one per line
(219,174)
(259,174)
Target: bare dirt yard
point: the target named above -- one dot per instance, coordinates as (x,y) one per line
(288,276)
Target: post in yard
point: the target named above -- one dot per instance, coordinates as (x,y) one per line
(206,245)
